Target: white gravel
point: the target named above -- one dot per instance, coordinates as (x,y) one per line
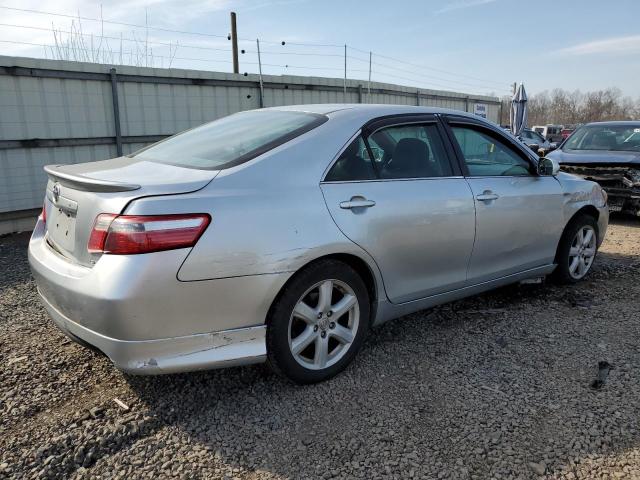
(497,386)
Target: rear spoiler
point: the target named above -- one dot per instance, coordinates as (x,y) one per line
(86,184)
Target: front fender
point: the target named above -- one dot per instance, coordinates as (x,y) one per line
(581,195)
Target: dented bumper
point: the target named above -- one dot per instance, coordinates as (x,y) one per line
(135,310)
(203,351)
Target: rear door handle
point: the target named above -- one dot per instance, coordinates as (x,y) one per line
(357,202)
(487,196)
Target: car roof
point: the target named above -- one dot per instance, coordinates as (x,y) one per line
(365,110)
(614,123)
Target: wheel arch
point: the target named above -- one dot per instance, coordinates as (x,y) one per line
(584,210)
(588,210)
(358,264)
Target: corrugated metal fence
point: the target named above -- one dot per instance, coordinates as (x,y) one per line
(54,111)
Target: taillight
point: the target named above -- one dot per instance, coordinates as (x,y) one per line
(133,234)
(99,232)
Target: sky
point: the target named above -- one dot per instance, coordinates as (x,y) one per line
(472,46)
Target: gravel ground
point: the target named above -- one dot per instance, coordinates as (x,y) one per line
(496,386)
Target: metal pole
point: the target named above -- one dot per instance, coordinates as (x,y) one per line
(369,84)
(260,72)
(234,43)
(116,110)
(359,93)
(344,87)
(418,97)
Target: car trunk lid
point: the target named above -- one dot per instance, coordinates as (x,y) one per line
(77,194)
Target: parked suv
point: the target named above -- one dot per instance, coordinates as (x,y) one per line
(553,133)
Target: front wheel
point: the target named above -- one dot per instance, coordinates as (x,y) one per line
(318,323)
(577,250)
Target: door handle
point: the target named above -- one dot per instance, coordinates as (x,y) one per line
(357,202)
(487,196)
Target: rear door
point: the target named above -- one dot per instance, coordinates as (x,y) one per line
(519,215)
(396,191)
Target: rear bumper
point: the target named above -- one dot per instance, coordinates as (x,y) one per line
(135,310)
(226,348)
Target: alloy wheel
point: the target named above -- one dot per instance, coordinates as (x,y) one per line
(582,252)
(323,324)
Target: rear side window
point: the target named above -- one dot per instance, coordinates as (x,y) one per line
(231,140)
(410,151)
(353,164)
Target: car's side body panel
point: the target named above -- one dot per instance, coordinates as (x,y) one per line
(519,230)
(420,231)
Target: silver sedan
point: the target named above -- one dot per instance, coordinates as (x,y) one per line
(284,234)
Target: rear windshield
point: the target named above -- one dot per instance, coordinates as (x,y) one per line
(231,140)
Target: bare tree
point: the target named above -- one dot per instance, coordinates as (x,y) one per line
(568,108)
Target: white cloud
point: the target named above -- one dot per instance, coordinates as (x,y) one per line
(461,4)
(617,45)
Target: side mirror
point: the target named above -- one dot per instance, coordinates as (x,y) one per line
(553,146)
(534,147)
(548,167)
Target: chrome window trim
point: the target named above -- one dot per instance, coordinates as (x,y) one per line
(393,125)
(459,177)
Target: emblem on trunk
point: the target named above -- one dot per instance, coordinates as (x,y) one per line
(56,192)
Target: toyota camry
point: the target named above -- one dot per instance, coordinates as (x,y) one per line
(285,234)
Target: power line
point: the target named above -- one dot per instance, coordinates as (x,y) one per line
(381,65)
(308,54)
(429,68)
(394,68)
(124,39)
(113,22)
(132,52)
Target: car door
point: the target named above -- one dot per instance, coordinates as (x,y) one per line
(519,214)
(397,191)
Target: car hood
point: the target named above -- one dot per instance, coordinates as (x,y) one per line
(595,157)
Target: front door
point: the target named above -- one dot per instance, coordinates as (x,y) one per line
(519,215)
(395,191)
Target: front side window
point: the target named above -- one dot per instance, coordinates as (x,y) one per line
(485,156)
(231,140)
(409,151)
(353,164)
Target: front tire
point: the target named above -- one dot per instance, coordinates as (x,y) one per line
(577,250)
(318,323)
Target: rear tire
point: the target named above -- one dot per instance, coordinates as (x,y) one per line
(318,323)
(577,250)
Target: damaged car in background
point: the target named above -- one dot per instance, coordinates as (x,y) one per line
(609,154)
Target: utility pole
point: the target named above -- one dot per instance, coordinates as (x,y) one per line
(344,87)
(515,86)
(234,43)
(260,71)
(369,83)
